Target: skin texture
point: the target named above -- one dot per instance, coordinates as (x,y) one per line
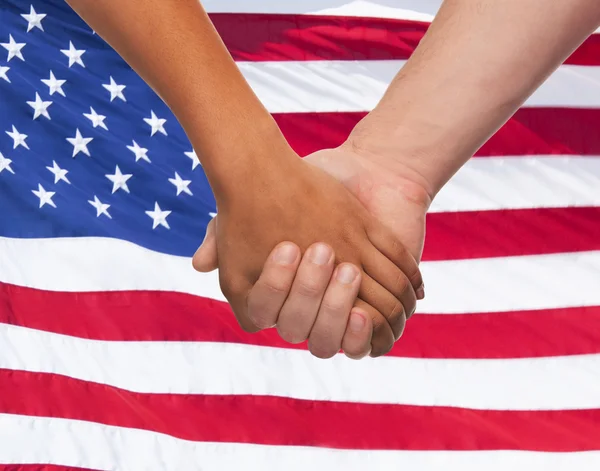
(479,61)
(323,209)
(256,177)
(281,289)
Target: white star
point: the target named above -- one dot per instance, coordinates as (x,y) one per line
(195,160)
(3,71)
(44,196)
(40,107)
(116,90)
(101,208)
(212,215)
(159,217)
(34,19)
(18,138)
(13,48)
(5,164)
(119,180)
(140,152)
(59,173)
(96,119)
(80,143)
(156,124)
(54,84)
(74,55)
(181,185)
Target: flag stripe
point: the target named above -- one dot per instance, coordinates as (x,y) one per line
(342,86)
(259,419)
(401,9)
(197,368)
(273,37)
(511,232)
(276,37)
(39,467)
(521,183)
(456,286)
(415,10)
(531,131)
(98,446)
(108,316)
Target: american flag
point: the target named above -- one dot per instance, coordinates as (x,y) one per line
(116,355)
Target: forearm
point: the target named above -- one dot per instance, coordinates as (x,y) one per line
(174,47)
(479,61)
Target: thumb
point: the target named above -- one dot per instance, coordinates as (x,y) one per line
(205,259)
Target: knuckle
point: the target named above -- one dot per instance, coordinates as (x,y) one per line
(308,288)
(334,305)
(323,345)
(292,335)
(248,327)
(264,304)
(274,286)
(411,311)
(381,348)
(401,283)
(397,319)
(245,323)
(230,285)
(356,352)
(261,318)
(410,308)
(396,311)
(321,351)
(415,277)
(383,339)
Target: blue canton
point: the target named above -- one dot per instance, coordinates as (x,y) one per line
(86,147)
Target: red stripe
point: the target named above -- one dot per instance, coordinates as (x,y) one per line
(167,316)
(273,37)
(531,131)
(39,467)
(512,232)
(283,421)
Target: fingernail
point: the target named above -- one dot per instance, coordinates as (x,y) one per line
(357,321)
(420,292)
(286,254)
(346,274)
(320,254)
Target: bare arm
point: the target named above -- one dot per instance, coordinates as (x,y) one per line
(175,48)
(479,61)
(265,194)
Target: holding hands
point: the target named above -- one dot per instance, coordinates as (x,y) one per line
(266,195)
(326,249)
(308,289)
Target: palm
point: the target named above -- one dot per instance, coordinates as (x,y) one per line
(391,199)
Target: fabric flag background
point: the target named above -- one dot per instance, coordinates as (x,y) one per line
(116,355)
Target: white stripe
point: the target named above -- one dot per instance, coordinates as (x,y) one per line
(512,283)
(90,445)
(97,264)
(553,383)
(522,183)
(328,86)
(419,10)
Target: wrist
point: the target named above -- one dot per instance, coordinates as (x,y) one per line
(248,165)
(415,151)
